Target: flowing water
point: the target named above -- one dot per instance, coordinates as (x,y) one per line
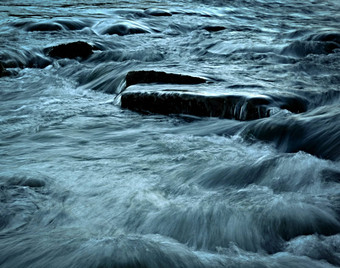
(85,183)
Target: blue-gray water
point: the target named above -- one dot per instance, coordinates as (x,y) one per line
(85,183)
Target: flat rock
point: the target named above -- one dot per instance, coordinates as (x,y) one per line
(238,107)
(138,77)
(70,50)
(214,28)
(199,100)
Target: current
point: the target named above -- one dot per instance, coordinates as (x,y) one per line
(87,183)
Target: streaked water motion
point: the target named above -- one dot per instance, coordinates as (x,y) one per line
(85,183)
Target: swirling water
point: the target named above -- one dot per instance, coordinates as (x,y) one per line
(85,183)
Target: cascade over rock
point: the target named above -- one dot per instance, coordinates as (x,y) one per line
(239,106)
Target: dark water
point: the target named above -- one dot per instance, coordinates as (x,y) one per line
(84,183)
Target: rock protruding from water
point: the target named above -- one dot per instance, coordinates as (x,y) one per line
(44,27)
(3,71)
(73,50)
(211,28)
(125,28)
(139,77)
(237,107)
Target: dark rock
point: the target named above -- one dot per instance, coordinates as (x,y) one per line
(331,175)
(305,48)
(26,181)
(44,27)
(316,134)
(125,29)
(214,28)
(71,50)
(73,25)
(224,106)
(158,12)
(3,71)
(138,77)
(326,37)
(293,103)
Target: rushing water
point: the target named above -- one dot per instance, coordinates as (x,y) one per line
(85,183)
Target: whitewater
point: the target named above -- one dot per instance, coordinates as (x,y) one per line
(88,182)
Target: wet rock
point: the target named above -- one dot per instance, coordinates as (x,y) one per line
(125,29)
(73,25)
(3,71)
(71,50)
(224,106)
(44,27)
(214,28)
(316,134)
(15,58)
(326,37)
(305,48)
(158,12)
(295,104)
(138,77)
(26,181)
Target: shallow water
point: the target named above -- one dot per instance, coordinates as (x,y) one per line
(85,183)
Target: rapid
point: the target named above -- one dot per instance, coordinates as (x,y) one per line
(86,183)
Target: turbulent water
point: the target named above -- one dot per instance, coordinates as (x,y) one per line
(85,183)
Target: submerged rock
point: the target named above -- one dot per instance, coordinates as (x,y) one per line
(158,12)
(138,77)
(125,28)
(71,50)
(317,134)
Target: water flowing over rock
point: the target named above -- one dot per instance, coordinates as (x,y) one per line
(231,106)
(316,134)
(44,27)
(158,12)
(170,134)
(70,50)
(125,28)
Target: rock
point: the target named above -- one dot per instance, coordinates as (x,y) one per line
(125,28)
(292,103)
(138,77)
(158,12)
(44,27)
(305,48)
(326,37)
(238,107)
(3,71)
(73,24)
(214,28)
(71,50)
(316,134)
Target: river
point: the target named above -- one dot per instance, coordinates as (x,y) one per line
(86,183)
